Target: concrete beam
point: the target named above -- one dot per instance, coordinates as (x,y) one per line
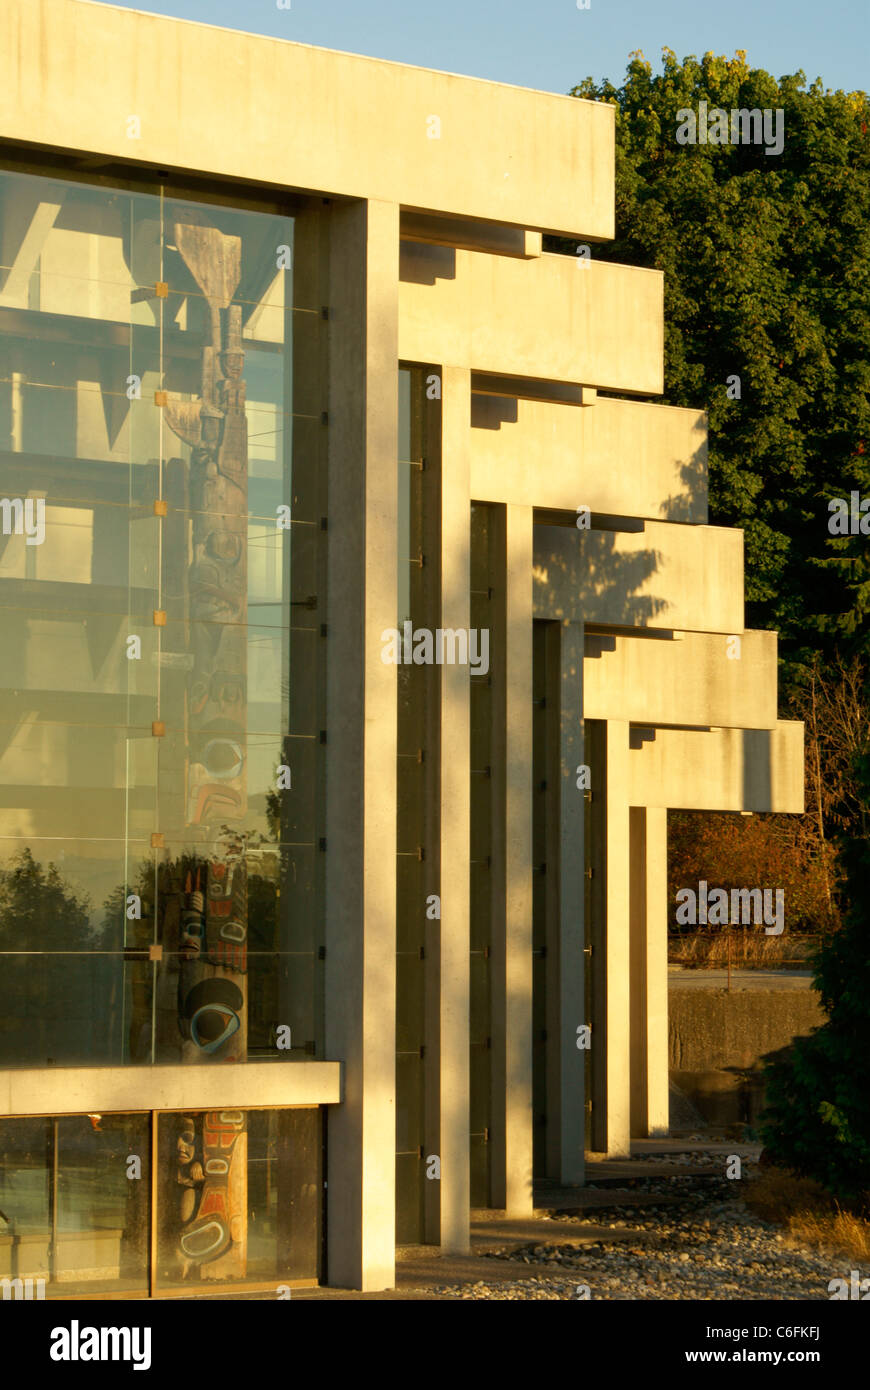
(719,769)
(120,1090)
(689,678)
(684,577)
(623,457)
(602,326)
(335,123)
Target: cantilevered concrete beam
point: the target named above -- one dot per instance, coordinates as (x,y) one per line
(719,770)
(625,457)
(601,327)
(682,678)
(684,577)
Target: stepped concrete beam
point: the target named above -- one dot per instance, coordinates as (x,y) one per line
(600,326)
(688,578)
(686,678)
(624,457)
(341,124)
(718,769)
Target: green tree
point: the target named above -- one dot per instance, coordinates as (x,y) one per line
(39,912)
(766,262)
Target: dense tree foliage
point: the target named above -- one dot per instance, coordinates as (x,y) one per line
(766,262)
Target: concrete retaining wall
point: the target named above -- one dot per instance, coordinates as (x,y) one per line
(717,1040)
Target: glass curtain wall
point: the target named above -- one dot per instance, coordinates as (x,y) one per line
(161,608)
(234,1197)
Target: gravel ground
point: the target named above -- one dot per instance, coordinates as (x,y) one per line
(709,1246)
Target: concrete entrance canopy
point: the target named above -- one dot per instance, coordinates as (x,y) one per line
(437,189)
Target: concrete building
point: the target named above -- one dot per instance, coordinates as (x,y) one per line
(361,622)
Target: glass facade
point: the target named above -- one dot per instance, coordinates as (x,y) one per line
(161,584)
(71,1215)
(234,1197)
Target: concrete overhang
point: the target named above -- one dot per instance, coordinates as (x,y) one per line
(719,769)
(696,679)
(287,115)
(685,577)
(590,323)
(621,457)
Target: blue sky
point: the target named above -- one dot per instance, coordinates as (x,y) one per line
(552,45)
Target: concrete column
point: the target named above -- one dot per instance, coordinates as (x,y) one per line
(649,972)
(512,979)
(455,1188)
(361,739)
(617,963)
(572,1007)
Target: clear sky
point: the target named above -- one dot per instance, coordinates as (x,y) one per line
(551,44)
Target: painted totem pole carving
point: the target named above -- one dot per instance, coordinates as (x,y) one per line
(212,923)
(210,1155)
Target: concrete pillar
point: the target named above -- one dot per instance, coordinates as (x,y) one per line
(512,972)
(571,867)
(649,972)
(454,1003)
(361,739)
(617,1007)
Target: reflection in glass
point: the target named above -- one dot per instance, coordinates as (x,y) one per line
(73,1206)
(239,1196)
(162,640)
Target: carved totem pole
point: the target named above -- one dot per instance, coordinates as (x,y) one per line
(209,916)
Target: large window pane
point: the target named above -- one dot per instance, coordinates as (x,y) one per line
(161,616)
(239,1197)
(75,1199)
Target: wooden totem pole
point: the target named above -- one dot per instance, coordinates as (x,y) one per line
(206,930)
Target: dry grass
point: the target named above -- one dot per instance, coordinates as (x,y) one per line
(750,949)
(808,1213)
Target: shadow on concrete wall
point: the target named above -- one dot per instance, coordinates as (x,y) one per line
(690,503)
(757,770)
(581,575)
(420,264)
(491,412)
